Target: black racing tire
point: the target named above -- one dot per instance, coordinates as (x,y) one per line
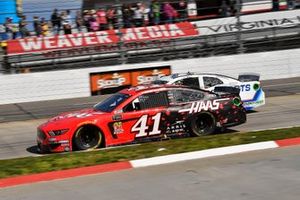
(203,124)
(87,138)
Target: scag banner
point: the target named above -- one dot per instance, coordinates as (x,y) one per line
(110,82)
(78,40)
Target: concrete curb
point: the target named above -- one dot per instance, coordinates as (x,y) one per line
(70,173)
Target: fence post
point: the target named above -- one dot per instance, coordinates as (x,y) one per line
(238,6)
(120,24)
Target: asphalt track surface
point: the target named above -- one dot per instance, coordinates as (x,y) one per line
(17,138)
(267,174)
(45,109)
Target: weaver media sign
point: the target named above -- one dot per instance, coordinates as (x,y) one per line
(79,40)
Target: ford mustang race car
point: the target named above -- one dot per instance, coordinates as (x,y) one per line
(250,91)
(140,114)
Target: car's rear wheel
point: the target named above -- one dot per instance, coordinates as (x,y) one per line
(87,137)
(203,124)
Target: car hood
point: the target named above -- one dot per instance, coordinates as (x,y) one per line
(72,119)
(74,115)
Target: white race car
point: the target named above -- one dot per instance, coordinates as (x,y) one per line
(249,86)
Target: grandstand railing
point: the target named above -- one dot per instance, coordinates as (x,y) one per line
(165,49)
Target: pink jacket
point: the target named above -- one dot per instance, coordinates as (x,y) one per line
(101,17)
(169,10)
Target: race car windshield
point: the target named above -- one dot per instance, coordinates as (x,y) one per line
(160,82)
(111,102)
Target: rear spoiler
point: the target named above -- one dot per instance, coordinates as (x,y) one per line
(227,89)
(245,77)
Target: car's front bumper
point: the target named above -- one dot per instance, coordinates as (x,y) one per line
(48,144)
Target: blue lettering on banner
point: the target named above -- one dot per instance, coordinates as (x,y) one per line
(245,87)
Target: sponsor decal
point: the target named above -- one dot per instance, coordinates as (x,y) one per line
(99,38)
(253,103)
(118,128)
(147,76)
(116,80)
(249,22)
(110,82)
(255,25)
(199,106)
(178,127)
(141,128)
(246,87)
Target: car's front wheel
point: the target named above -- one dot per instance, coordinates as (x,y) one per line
(203,124)
(87,137)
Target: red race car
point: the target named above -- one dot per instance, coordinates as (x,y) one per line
(142,113)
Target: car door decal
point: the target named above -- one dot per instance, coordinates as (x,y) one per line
(141,126)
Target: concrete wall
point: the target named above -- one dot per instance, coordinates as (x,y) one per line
(19,88)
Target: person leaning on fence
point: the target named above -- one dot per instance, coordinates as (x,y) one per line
(55,22)
(86,19)
(79,21)
(127,15)
(23,27)
(44,27)
(290,4)
(146,13)
(182,10)
(275,5)
(224,10)
(93,21)
(169,12)
(67,22)
(37,26)
(101,19)
(11,28)
(155,12)
(111,16)
(138,15)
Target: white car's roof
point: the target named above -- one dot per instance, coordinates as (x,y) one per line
(172,77)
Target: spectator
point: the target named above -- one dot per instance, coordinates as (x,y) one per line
(155,12)
(101,19)
(170,12)
(127,16)
(290,4)
(93,23)
(37,26)
(3,33)
(67,22)
(56,22)
(182,10)
(44,27)
(11,28)
(111,14)
(146,12)
(275,4)
(119,18)
(86,19)
(224,9)
(22,26)
(138,15)
(79,21)
(232,7)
